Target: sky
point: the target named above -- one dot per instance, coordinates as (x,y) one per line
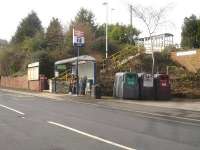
(12,12)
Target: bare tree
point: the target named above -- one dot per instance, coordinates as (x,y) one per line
(152,19)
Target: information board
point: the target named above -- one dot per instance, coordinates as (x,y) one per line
(33,71)
(78,38)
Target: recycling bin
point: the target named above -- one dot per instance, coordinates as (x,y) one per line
(126,85)
(146,86)
(96,91)
(162,86)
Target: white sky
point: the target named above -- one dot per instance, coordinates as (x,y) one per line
(12,11)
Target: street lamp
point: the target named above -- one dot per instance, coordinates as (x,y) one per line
(106,4)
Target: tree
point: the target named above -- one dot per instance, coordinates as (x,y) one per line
(118,32)
(100,31)
(29,27)
(122,33)
(89,36)
(99,45)
(152,19)
(84,21)
(34,44)
(85,16)
(190,35)
(54,35)
(46,62)
(10,61)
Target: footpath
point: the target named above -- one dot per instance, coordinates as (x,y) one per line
(176,109)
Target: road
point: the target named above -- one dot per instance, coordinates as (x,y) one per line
(32,123)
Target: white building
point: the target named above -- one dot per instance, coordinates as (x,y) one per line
(159,42)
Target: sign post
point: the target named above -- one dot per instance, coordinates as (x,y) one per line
(78,41)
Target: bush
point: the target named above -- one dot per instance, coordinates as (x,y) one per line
(11,61)
(100,45)
(46,63)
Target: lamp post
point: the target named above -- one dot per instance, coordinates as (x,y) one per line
(106,4)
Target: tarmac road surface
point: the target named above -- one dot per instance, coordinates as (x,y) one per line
(33,123)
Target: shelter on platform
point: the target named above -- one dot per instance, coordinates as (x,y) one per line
(86,66)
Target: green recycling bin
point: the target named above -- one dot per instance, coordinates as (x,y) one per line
(126,85)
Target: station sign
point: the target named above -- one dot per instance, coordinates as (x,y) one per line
(61,67)
(186,53)
(78,38)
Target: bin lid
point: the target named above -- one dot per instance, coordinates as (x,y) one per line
(162,76)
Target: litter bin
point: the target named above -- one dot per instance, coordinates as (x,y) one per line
(162,86)
(146,86)
(126,85)
(96,91)
(88,88)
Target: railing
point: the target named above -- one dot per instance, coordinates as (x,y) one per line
(118,59)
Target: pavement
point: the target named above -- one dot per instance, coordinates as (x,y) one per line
(47,121)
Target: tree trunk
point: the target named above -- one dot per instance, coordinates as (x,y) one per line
(152,55)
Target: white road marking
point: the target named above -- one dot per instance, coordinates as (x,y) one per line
(17,111)
(140,112)
(91,136)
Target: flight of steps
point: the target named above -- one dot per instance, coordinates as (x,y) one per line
(120,61)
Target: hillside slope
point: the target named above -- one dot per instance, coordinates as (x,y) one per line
(189,59)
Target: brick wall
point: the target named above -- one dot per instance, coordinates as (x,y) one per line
(21,82)
(34,85)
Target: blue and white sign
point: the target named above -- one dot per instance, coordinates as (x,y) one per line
(78,38)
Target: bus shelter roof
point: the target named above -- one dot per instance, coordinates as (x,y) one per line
(74,59)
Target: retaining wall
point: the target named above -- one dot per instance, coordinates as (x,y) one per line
(21,82)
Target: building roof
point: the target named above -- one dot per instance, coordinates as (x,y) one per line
(35,64)
(73,59)
(165,34)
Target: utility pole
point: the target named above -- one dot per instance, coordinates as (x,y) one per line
(77,72)
(131,23)
(78,41)
(131,15)
(106,4)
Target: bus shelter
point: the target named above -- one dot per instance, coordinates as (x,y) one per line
(86,68)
